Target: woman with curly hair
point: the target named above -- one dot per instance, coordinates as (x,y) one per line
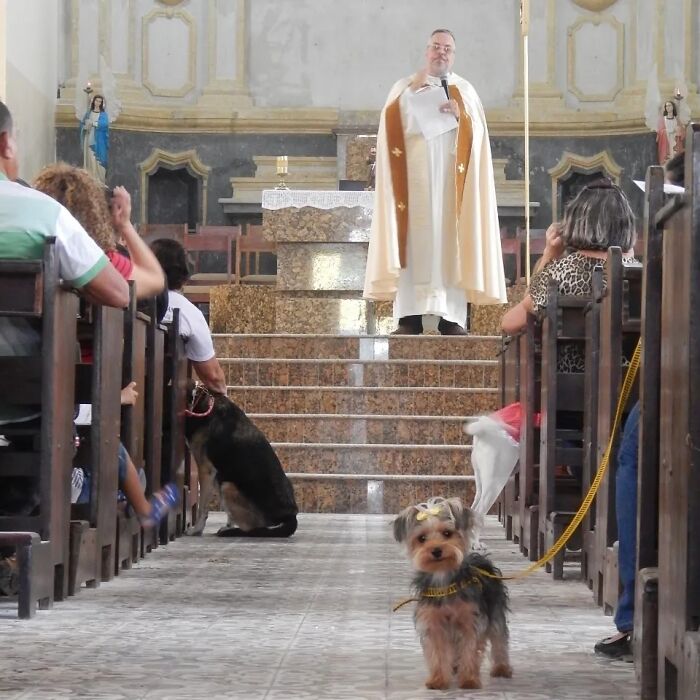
(107,221)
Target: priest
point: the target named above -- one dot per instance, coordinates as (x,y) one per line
(435,241)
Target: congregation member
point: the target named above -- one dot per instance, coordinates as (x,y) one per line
(435,242)
(199,346)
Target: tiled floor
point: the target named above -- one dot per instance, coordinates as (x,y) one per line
(286,620)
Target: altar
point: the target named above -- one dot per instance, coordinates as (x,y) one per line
(322,239)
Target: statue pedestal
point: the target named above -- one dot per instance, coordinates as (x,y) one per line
(322,239)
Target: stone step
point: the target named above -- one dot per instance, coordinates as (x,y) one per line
(368,373)
(361,495)
(419,401)
(392,459)
(356,429)
(352,347)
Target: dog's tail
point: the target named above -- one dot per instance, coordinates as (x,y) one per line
(286,528)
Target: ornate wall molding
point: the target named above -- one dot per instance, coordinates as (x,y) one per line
(595,5)
(575,163)
(146,26)
(572,32)
(174,161)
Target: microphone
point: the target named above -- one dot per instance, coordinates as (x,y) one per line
(443,82)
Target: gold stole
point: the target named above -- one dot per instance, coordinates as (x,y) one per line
(399,171)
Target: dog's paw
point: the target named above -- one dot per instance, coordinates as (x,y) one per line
(194,531)
(437,682)
(470,683)
(502,671)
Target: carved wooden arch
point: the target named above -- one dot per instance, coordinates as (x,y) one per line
(574,163)
(175,161)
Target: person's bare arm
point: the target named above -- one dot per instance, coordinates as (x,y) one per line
(108,287)
(515,319)
(147,273)
(211,373)
(554,246)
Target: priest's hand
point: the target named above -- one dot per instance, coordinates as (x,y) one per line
(450,106)
(420,80)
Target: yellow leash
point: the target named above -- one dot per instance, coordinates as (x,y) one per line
(586,504)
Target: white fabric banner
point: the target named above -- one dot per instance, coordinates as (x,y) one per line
(319,199)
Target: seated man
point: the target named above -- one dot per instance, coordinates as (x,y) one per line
(27,218)
(194,329)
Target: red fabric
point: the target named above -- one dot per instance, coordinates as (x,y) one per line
(122,264)
(512,417)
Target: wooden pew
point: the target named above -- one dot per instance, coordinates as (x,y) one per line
(645,641)
(530,356)
(93,525)
(560,442)
(508,501)
(132,425)
(173,453)
(29,292)
(590,424)
(620,324)
(679,502)
(153,423)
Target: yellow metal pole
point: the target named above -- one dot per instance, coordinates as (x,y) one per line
(525,28)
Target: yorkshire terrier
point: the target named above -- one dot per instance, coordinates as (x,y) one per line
(462,604)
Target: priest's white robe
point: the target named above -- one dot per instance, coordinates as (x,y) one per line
(450,259)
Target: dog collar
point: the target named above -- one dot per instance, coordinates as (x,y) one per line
(441,592)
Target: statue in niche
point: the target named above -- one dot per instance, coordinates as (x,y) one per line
(670,133)
(103,108)
(372,167)
(94,138)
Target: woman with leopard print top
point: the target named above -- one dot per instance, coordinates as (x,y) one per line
(596,219)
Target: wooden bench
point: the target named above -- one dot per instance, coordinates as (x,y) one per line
(679,410)
(590,424)
(620,325)
(129,541)
(29,292)
(174,402)
(561,431)
(646,589)
(508,501)
(93,525)
(530,356)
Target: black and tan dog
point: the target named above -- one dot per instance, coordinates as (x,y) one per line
(462,604)
(231,451)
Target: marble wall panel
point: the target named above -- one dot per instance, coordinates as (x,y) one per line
(245,308)
(321,266)
(312,225)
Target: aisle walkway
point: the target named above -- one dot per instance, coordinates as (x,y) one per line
(208,619)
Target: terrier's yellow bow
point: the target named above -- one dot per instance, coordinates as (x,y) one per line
(423,514)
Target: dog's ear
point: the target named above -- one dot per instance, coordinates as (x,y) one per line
(403,523)
(465,518)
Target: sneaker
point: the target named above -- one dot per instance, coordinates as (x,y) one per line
(161,502)
(619,646)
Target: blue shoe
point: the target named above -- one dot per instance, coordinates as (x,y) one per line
(161,503)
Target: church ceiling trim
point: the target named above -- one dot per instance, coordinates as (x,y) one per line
(147,25)
(571,44)
(576,163)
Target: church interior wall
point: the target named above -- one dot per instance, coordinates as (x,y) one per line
(242,79)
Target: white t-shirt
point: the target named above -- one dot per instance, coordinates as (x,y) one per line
(194,330)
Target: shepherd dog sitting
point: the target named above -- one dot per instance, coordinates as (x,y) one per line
(229,449)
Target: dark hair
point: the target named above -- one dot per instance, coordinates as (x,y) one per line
(5,119)
(102,106)
(173,259)
(443,31)
(673,104)
(598,217)
(675,169)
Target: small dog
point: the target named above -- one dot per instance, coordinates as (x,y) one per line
(460,608)
(255,492)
